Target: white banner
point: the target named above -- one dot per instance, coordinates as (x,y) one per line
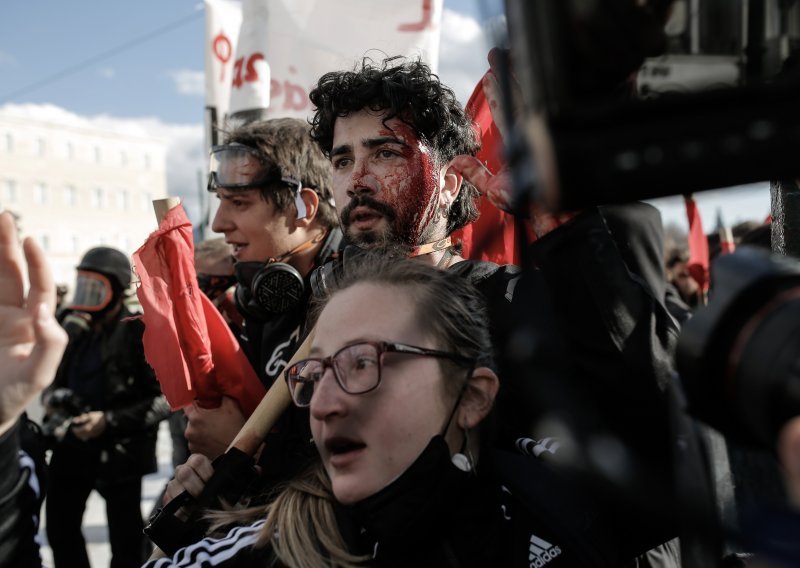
(251,78)
(286,45)
(223,21)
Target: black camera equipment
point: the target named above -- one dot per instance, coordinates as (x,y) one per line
(593,145)
(65,405)
(739,357)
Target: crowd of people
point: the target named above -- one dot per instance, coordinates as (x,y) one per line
(450,412)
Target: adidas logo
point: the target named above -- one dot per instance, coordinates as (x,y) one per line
(541,552)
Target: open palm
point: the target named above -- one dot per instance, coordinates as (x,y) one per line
(31,341)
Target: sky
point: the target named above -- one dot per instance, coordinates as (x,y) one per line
(139,66)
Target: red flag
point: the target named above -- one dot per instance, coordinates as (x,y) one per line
(186,341)
(492,236)
(698,245)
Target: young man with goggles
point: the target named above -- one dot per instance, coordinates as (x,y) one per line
(277,215)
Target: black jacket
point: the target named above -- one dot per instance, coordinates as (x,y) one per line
(583,328)
(22,489)
(269,344)
(584,347)
(128,394)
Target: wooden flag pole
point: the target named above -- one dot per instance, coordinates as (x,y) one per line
(162,206)
(271,407)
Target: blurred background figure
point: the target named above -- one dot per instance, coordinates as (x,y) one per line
(683,292)
(213,261)
(61,295)
(101,416)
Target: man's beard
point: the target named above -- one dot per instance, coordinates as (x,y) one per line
(383,238)
(386,239)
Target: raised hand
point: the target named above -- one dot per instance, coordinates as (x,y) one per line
(31,341)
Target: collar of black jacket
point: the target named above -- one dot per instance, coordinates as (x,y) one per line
(418,508)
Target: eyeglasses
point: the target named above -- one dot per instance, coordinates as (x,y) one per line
(357,368)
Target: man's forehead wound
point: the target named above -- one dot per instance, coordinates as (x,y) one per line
(411,136)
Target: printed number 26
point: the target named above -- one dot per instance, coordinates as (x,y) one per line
(250,73)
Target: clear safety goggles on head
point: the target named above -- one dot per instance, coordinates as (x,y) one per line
(93,292)
(236,166)
(239,167)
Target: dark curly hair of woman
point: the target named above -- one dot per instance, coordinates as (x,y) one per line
(409,91)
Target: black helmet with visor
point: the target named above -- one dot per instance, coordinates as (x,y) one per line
(103,274)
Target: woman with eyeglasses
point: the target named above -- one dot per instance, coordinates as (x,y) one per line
(398,384)
(400,389)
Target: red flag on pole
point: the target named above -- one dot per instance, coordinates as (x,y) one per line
(698,245)
(186,341)
(493,236)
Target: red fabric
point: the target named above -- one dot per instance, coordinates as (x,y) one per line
(492,236)
(180,323)
(698,245)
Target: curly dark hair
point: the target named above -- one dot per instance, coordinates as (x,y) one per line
(409,91)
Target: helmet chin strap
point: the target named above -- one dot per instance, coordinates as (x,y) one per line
(435,246)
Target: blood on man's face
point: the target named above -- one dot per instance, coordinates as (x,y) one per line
(385,180)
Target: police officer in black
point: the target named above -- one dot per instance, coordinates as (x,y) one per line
(103,411)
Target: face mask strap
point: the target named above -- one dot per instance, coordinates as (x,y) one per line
(461,392)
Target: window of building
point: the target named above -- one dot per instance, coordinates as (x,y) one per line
(74,242)
(147,201)
(39,194)
(39,146)
(70,148)
(97,198)
(70,196)
(124,200)
(8,191)
(45,242)
(8,142)
(97,155)
(147,162)
(123,159)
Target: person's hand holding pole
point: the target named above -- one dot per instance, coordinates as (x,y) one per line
(31,341)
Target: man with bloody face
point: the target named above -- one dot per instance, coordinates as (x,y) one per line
(391,133)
